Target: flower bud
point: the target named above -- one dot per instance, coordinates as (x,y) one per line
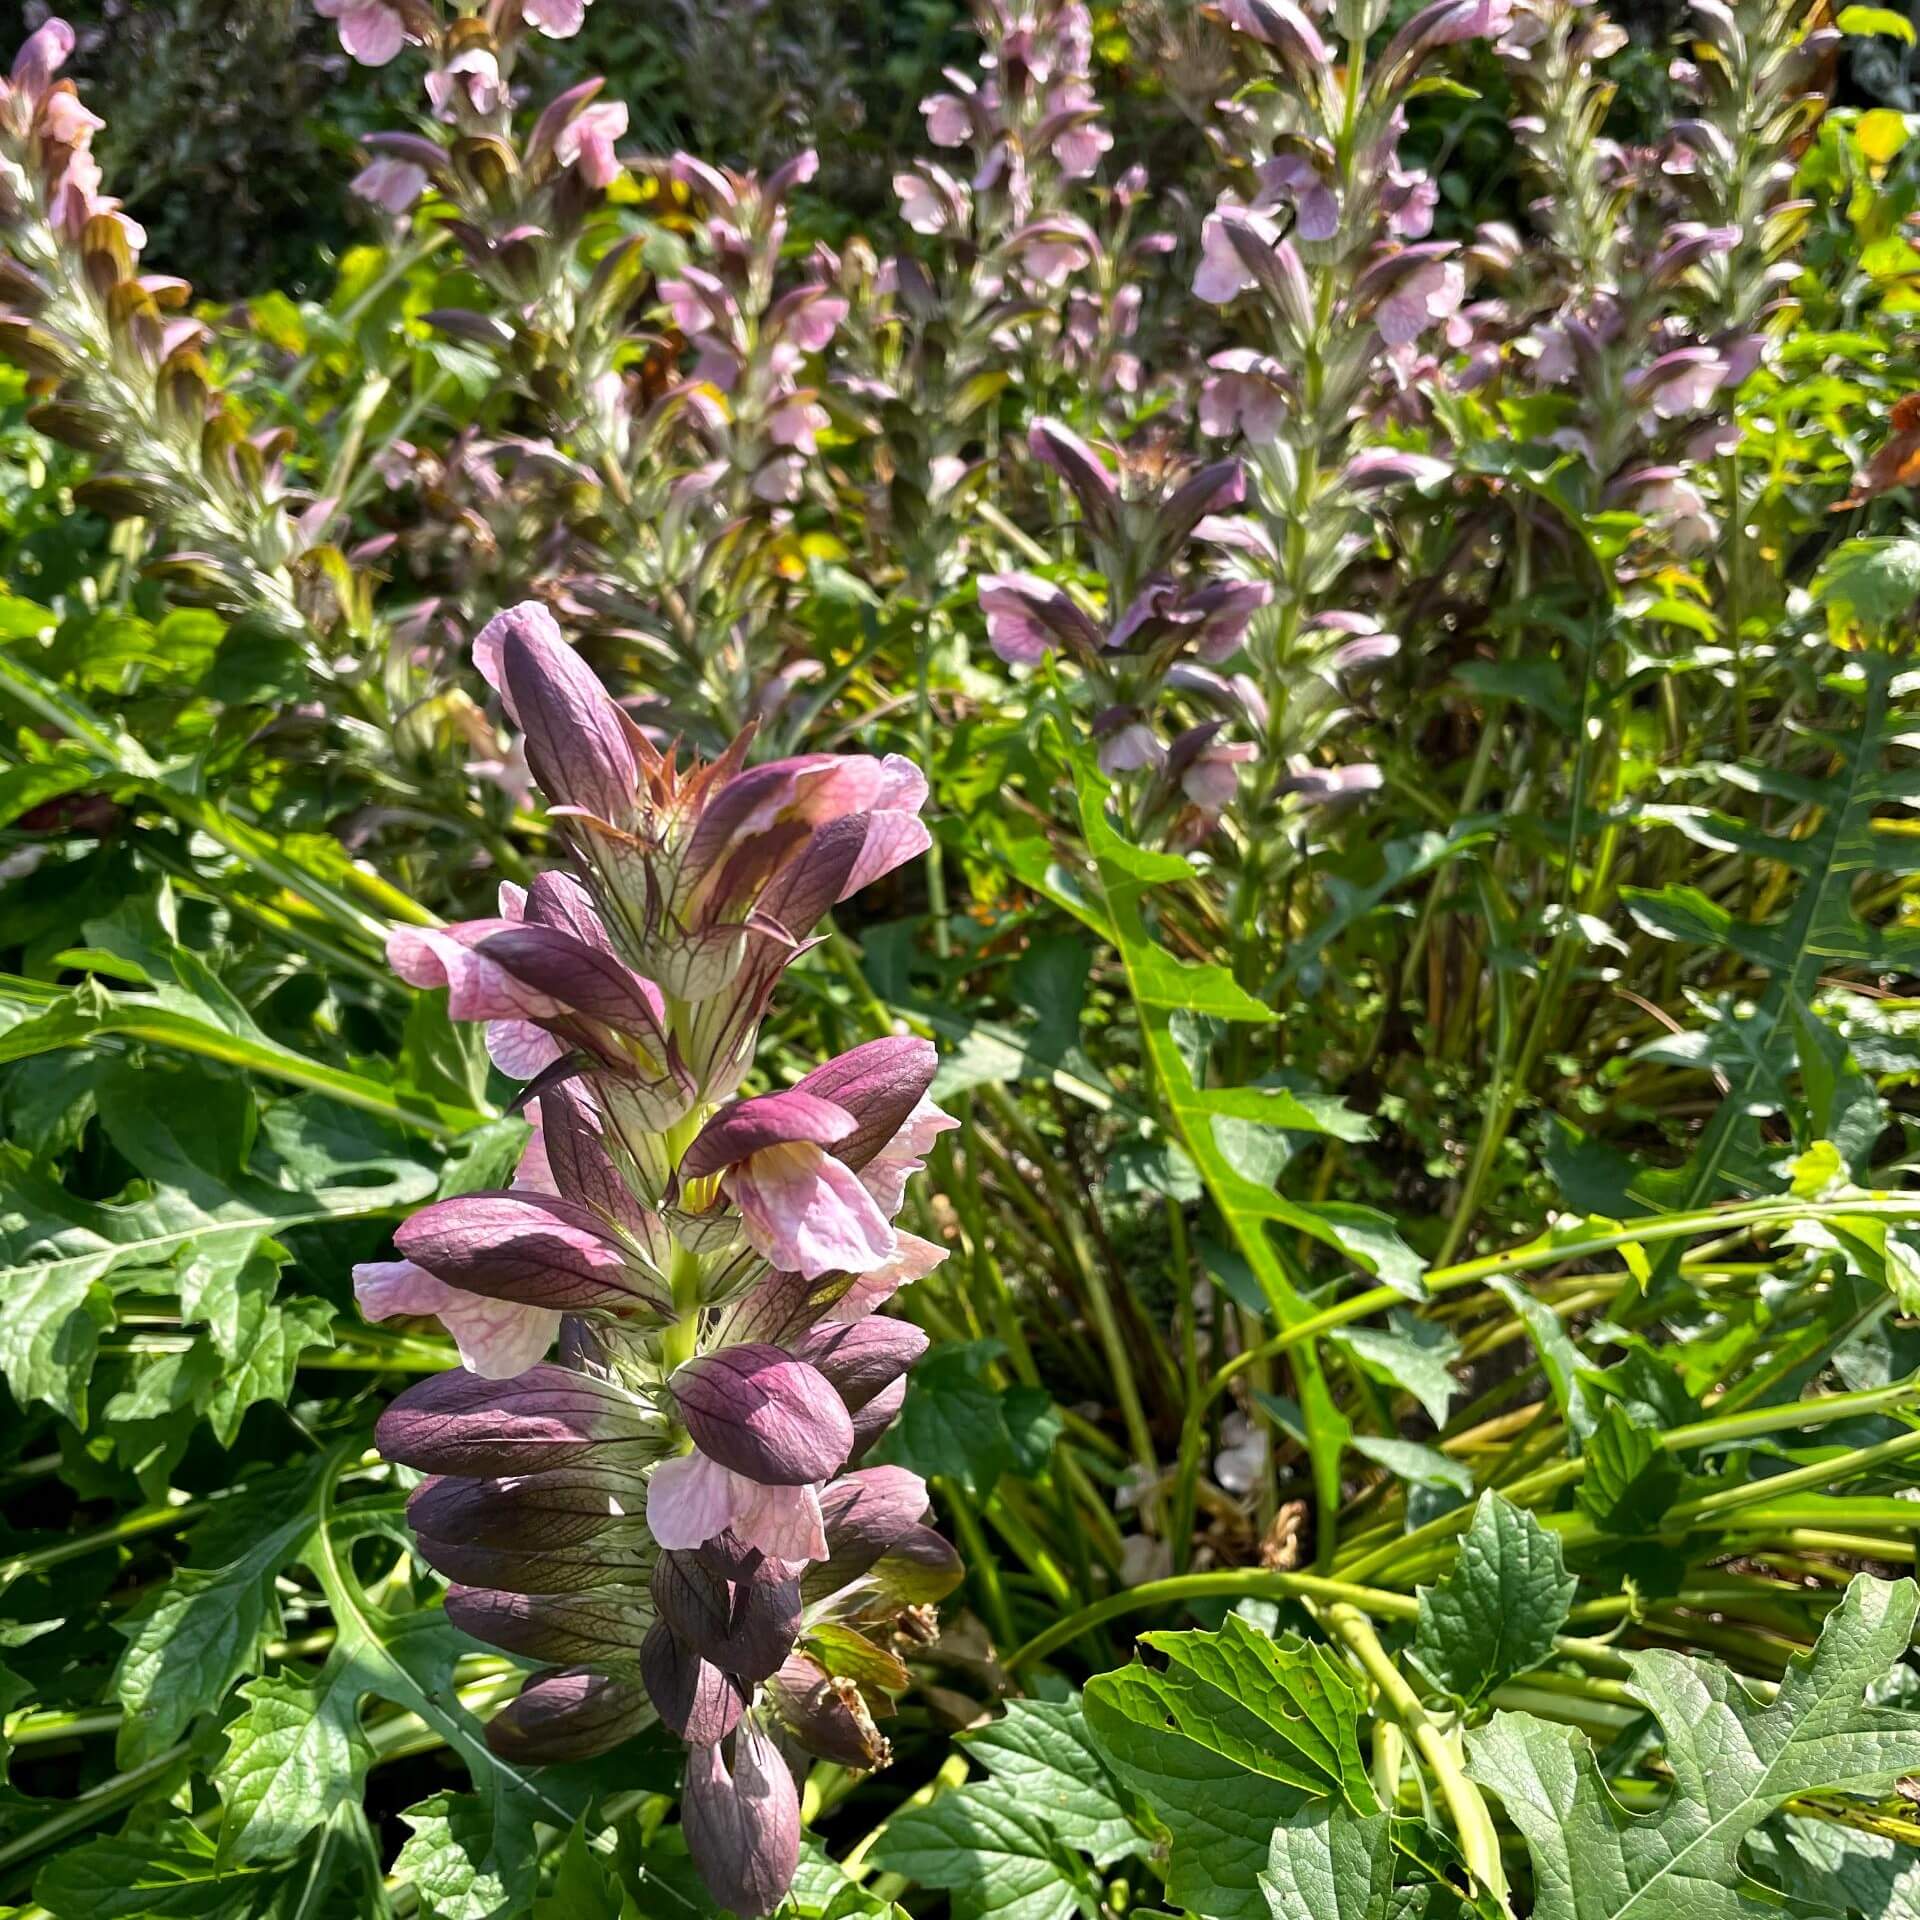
(547,1417)
(698,1700)
(742,1824)
(577,738)
(604,1627)
(862,1358)
(572,1713)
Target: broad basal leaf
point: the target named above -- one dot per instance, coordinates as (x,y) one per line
(1039,1750)
(990,1850)
(1500,1606)
(1234,1734)
(1329,1863)
(295,1753)
(199,1633)
(172,1874)
(1733,1760)
(469,1858)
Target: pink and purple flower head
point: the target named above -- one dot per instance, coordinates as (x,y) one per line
(648,1474)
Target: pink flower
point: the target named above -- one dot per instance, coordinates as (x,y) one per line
(557,19)
(1079,146)
(1222,275)
(949,122)
(42,54)
(1130,747)
(370,30)
(913,1260)
(497,1338)
(1028,617)
(778,482)
(1050,250)
(808,1212)
(885,1176)
(795,423)
(1420,300)
(1213,778)
(391,185)
(587,139)
(1296,180)
(1681,382)
(931,199)
(692,1499)
(66,122)
(1243,393)
(470,79)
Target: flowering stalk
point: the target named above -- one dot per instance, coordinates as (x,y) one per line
(671,1512)
(753,420)
(1167,625)
(1009,273)
(116,362)
(695,476)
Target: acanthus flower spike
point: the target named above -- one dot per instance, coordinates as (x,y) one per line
(668,1513)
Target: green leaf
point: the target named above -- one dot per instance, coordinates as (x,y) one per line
(953,1422)
(1234,1734)
(992,1853)
(1500,1606)
(1560,1359)
(1413,1354)
(50,1331)
(1250,1208)
(273,1345)
(1039,1750)
(1733,1761)
(1328,1863)
(1159,980)
(1630,1479)
(195,1636)
(89,1015)
(1820,928)
(172,1873)
(294,1754)
(467,1858)
(1409,1460)
(585,1887)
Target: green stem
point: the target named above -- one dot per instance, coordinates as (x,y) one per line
(1472,1822)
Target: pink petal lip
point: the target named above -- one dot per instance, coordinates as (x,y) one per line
(808,1213)
(692,1499)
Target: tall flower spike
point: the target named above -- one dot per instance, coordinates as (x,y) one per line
(669,1513)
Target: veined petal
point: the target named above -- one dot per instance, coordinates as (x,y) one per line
(807,1212)
(885,1176)
(760,1412)
(544,1418)
(882,1084)
(743,1827)
(521,1050)
(690,1499)
(477,987)
(769,1120)
(571,1713)
(701,1702)
(526,1247)
(861,1358)
(914,1258)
